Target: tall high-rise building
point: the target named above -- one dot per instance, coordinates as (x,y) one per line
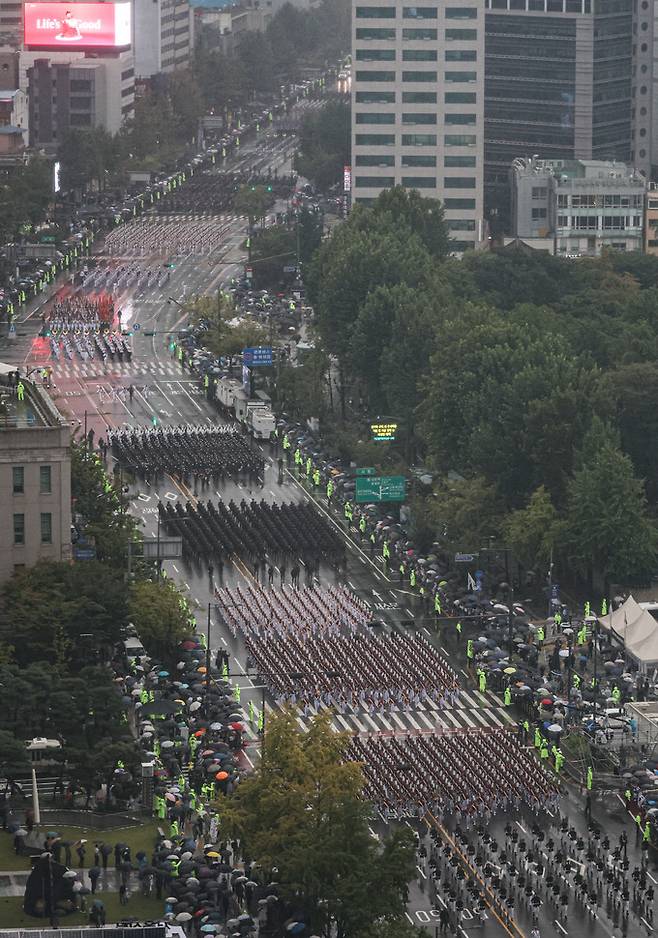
(163,36)
(418,105)
(563,80)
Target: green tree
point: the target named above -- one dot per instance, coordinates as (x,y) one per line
(607,530)
(255,53)
(466,511)
(254,202)
(271,250)
(13,756)
(424,217)
(304,391)
(324,144)
(634,391)
(159,617)
(301,812)
(531,531)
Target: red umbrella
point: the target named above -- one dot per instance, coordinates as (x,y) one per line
(236,726)
(189,645)
(221,776)
(546,702)
(200,732)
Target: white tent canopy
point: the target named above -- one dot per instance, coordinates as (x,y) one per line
(637,629)
(7,369)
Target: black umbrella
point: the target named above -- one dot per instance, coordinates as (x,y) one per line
(160,708)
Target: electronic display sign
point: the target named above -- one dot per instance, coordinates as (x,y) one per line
(81,26)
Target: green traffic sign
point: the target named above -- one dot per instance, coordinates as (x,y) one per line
(366,471)
(380,489)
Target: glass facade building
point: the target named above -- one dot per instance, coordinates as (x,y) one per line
(559,84)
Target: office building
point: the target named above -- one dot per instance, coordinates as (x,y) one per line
(163,36)
(11,23)
(562,82)
(35,481)
(418,106)
(79,93)
(651,221)
(583,206)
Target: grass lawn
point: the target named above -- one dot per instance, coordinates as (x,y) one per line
(139,907)
(138,838)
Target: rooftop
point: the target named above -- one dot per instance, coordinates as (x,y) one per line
(569,171)
(35,410)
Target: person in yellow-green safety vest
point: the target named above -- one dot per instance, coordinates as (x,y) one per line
(470,651)
(330,490)
(362,525)
(316,478)
(458,629)
(507,697)
(412,578)
(298,457)
(590,778)
(482,681)
(437,604)
(348,511)
(309,465)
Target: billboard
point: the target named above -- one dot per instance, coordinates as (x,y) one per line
(77,25)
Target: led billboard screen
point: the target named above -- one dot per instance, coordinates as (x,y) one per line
(77,25)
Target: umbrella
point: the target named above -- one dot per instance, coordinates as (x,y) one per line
(194,706)
(509,670)
(546,702)
(70,874)
(184,917)
(160,708)
(212,853)
(21,832)
(236,726)
(163,673)
(221,776)
(167,744)
(216,726)
(554,728)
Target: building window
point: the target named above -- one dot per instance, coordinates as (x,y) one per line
(459,182)
(424,34)
(418,76)
(46,527)
(563,201)
(374,140)
(461,224)
(563,221)
(375,97)
(458,203)
(461,13)
(19,529)
(375,159)
(18,478)
(375,13)
(418,140)
(419,182)
(374,182)
(460,118)
(460,140)
(419,97)
(460,97)
(375,76)
(419,13)
(538,214)
(459,162)
(419,55)
(411,160)
(461,55)
(539,192)
(45,480)
(461,35)
(421,118)
(373,33)
(460,76)
(367,118)
(375,55)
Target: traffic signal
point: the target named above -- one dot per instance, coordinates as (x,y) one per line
(169,266)
(269,188)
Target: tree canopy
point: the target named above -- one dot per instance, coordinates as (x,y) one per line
(301,812)
(498,367)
